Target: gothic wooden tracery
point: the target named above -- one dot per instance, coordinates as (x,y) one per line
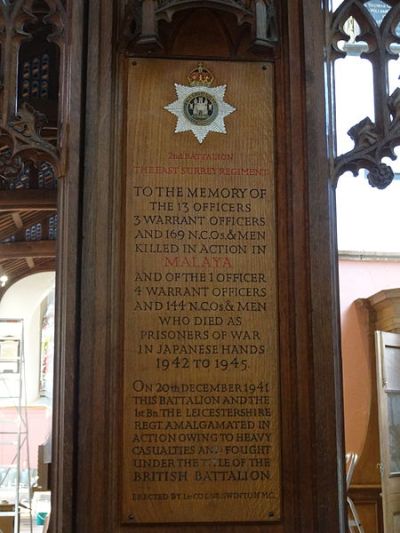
(373,140)
(32,54)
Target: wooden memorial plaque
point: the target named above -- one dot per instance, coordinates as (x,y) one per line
(201,417)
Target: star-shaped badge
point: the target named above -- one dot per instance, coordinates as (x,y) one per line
(199,107)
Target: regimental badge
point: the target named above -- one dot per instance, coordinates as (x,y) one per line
(200,108)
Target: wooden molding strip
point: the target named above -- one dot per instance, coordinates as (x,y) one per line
(368,256)
(28,200)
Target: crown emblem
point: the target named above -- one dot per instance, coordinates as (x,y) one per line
(200,76)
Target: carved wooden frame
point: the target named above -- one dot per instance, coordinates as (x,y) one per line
(311,301)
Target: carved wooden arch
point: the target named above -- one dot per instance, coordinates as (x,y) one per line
(144,21)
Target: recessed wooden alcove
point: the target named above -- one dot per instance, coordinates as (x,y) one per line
(229,29)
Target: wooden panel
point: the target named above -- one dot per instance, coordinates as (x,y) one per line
(367,471)
(201,413)
(368,502)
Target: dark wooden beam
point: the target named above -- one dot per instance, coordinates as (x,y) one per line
(28,200)
(18,250)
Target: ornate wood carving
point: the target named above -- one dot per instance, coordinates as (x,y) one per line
(143,36)
(22,138)
(372,140)
(22,148)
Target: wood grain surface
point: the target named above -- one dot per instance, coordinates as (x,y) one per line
(201,438)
